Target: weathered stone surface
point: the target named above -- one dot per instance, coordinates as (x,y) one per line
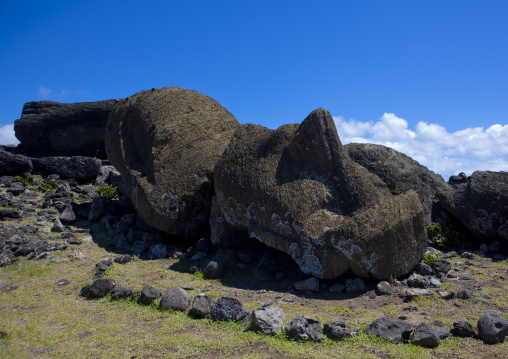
(270,320)
(304,327)
(297,190)
(14,164)
(425,336)
(339,330)
(64,129)
(99,288)
(120,293)
(401,174)
(463,329)
(175,298)
(417,292)
(201,305)
(395,330)
(492,327)
(228,309)
(149,294)
(355,286)
(165,143)
(9,213)
(482,205)
(417,281)
(78,168)
(383,288)
(308,284)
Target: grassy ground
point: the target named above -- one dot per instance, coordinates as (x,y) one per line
(44,320)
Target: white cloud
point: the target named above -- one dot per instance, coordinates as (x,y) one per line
(47,93)
(7,135)
(44,92)
(443,152)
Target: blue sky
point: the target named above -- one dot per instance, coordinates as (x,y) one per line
(411,74)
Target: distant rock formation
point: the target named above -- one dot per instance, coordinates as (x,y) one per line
(401,173)
(482,205)
(297,190)
(49,128)
(165,143)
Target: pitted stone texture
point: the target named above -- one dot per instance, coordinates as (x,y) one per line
(463,329)
(175,298)
(228,309)
(425,336)
(305,327)
(339,330)
(492,327)
(482,205)
(296,190)
(14,164)
(99,288)
(269,319)
(165,143)
(395,330)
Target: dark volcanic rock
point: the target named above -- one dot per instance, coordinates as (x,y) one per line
(463,329)
(296,189)
(339,330)
(304,327)
(401,173)
(228,309)
(78,167)
(492,327)
(9,213)
(59,129)
(149,294)
(99,288)
(120,293)
(269,320)
(482,205)
(395,330)
(14,164)
(425,336)
(201,305)
(165,143)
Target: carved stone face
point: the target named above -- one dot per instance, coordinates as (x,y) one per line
(297,190)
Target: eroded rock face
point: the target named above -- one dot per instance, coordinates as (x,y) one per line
(165,143)
(482,205)
(49,128)
(297,190)
(401,174)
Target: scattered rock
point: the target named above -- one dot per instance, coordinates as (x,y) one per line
(228,309)
(270,320)
(68,216)
(120,293)
(149,294)
(175,298)
(58,226)
(416,292)
(308,284)
(339,330)
(125,258)
(99,288)
(383,288)
(418,281)
(3,334)
(9,213)
(305,327)
(423,269)
(158,251)
(492,327)
(425,336)
(201,305)
(463,329)
(464,294)
(390,329)
(336,288)
(446,294)
(441,267)
(355,286)
(62,282)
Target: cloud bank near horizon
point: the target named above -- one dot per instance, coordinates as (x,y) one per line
(7,135)
(443,152)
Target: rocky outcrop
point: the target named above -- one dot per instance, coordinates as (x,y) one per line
(64,129)
(78,168)
(13,164)
(401,174)
(482,205)
(297,190)
(165,143)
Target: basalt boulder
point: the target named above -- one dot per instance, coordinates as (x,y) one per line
(165,143)
(49,128)
(401,174)
(297,190)
(482,205)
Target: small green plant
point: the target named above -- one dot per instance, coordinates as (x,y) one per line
(442,237)
(430,259)
(26,181)
(107,191)
(392,279)
(47,186)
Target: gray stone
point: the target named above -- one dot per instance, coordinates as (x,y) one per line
(99,288)
(483,248)
(383,288)
(296,189)
(14,164)
(228,309)
(495,247)
(158,251)
(175,298)
(355,286)
(417,292)
(492,327)
(395,330)
(78,168)
(57,226)
(308,284)
(463,329)
(125,258)
(201,305)
(165,143)
(423,269)
(120,293)
(270,320)
(464,294)
(336,288)
(441,267)
(425,336)
(434,282)
(339,330)
(149,294)
(467,255)
(418,281)
(68,216)
(305,327)
(446,294)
